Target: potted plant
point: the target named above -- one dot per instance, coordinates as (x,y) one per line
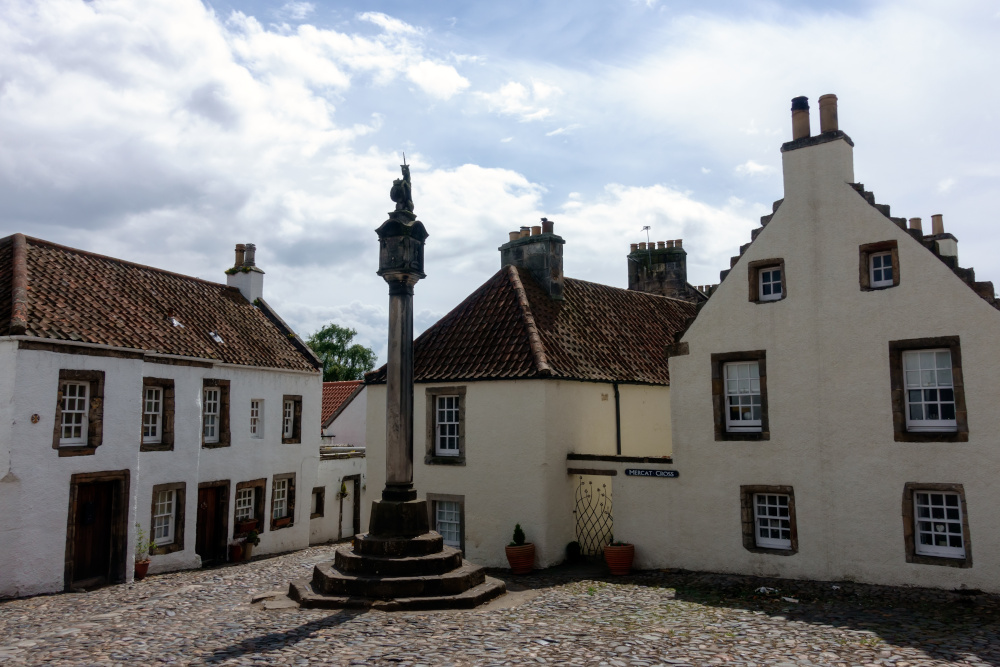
(143,545)
(236,551)
(249,542)
(520,555)
(619,556)
(246,525)
(282,522)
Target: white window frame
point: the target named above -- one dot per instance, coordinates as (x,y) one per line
(927,381)
(152,415)
(448,521)
(772,516)
(738,388)
(257,418)
(937,517)
(73,417)
(245,504)
(765,278)
(447,425)
(873,271)
(210,412)
(279,499)
(288,419)
(164,515)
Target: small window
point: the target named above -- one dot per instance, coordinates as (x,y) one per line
(291,419)
(163,518)
(938,526)
(288,420)
(317,506)
(447,426)
(210,414)
(279,508)
(770,284)
(282,500)
(767,280)
(75,401)
(257,418)
(448,522)
(930,391)
(245,501)
(152,415)
(743,398)
(772,522)
(250,506)
(881,268)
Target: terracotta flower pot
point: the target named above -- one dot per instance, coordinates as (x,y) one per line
(521,559)
(245,526)
(619,558)
(282,522)
(235,553)
(141,568)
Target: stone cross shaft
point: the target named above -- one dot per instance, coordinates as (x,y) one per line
(399,390)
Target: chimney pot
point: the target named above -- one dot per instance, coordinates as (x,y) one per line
(828,113)
(540,254)
(677,243)
(660,245)
(249,255)
(536,230)
(642,246)
(547,226)
(916,224)
(800,117)
(525,231)
(240,250)
(249,280)
(633,247)
(513,236)
(937,224)
(666,244)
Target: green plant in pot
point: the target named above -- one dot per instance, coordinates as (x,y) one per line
(520,554)
(249,542)
(619,556)
(143,545)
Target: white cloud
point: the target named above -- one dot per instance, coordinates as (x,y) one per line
(389,24)
(297,10)
(752,168)
(437,80)
(506,140)
(945,185)
(516,99)
(563,130)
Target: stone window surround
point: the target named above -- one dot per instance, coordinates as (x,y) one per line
(748,519)
(909,528)
(296,419)
(753,276)
(178,544)
(719,395)
(431,393)
(166,442)
(258,502)
(865,252)
(898,390)
(432,500)
(225,437)
(95,412)
(319,492)
(289,501)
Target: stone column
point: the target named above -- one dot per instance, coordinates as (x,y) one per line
(399,390)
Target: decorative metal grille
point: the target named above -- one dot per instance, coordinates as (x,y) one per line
(594,523)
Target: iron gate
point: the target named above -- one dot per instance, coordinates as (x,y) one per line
(594,523)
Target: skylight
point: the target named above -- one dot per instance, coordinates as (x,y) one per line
(176,322)
(216,337)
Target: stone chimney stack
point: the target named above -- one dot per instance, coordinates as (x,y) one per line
(800,118)
(660,268)
(539,250)
(244,274)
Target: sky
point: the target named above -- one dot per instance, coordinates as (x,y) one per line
(166,131)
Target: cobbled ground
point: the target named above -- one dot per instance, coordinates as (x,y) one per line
(568,616)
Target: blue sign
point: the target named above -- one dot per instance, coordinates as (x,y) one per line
(641,472)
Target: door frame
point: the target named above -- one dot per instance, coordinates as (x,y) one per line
(119,523)
(222,541)
(356,509)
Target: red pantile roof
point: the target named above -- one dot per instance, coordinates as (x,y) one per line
(73,295)
(510,328)
(335,394)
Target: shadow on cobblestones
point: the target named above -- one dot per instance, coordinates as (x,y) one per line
(278,641)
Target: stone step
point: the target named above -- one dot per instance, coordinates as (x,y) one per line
(328,580)
(303,593)
(398,547)
(349,562)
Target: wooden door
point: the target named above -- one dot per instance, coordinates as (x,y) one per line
(93,551)
(206,544)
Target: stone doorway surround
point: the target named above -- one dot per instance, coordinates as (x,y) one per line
(117,482)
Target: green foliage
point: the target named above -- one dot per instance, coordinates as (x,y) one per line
(341,360)
(518,540)
(253,537)
(143,545)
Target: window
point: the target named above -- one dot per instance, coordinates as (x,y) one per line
(215,413)
(157,415)
(282,501)
(879,265)
(318,504)
(936,525)
(245,504)
(256,418)
(250,507)
(167,518)
(768,518)
(78,424)
(739,394)
(928,398)
(767,280)
(152,415)
(291,419)
(445,425)
(447,517)
(75,397)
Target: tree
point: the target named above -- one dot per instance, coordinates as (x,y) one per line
(341,360)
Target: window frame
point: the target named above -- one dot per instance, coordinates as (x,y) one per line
(439,423)
(432,506)
(84,413)
(909,513)
(224,438)
(152,439)
(289,479)
(898,396)
(166,441)
(257,422)
(178,489)
(927,425)
(741,425)
(748,509)
(259,487)
(755,270)
(432,456)
(865,271)
(296,436)
(95,412)
(319,500)
(719,398)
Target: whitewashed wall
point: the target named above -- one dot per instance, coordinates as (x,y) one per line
(350,425)
(337,521)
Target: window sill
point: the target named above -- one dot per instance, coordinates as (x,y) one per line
(772,551)
(932,436)
(743,435)
(168,549)
(76,450)
(281,524)
(920,559)
(156,447)
(317,515)
(769,300)
(431,459)
(214,445)
(291,441)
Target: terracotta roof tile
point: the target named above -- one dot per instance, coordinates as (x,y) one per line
(80,296)
(510,328)
(334,395)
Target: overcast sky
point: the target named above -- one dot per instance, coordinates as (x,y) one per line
(166,131)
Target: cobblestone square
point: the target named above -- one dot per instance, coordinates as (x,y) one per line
(232,616)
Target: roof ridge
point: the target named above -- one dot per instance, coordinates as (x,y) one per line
(19,286)
(626,290)
(534,339)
